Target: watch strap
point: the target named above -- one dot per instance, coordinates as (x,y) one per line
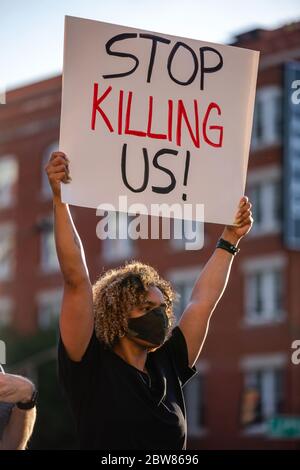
(28,405)
(225,245)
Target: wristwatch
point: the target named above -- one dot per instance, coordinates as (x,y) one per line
(225,245)
(28,405)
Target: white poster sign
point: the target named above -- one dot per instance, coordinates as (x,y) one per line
(156,118)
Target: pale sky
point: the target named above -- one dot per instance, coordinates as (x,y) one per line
(31,31)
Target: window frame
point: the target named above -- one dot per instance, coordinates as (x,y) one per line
(195,429)
(109,253)
(50,296)
(45,187)
(12,201)
(10,228)
(183,276)
(267,98)
(46,225)
(264,265)
(6,306)
(263,178)
(263,364)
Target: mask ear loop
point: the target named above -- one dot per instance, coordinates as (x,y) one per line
(1,369)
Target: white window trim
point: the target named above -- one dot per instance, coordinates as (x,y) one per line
(108,253)
(10,228)
(6,306)
(44,267)
(189,275)
(48,296)
(252,321)
(263,361)
(10,156)
(261,264)
(179,244)
(45,191)
(263,95)
(260,175)
(185,274)
(273,261)
(269,174)
(197,431)
(260,362)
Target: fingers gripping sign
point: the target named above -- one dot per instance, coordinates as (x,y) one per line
(58,171)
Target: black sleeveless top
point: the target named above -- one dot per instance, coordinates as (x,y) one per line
(116,406)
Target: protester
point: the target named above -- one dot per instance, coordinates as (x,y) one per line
(17,411)
(122,364)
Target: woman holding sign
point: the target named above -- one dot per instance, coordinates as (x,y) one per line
(122,365)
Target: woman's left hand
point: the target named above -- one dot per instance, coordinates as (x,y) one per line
(243,222)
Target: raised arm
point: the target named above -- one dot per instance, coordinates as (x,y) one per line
(76,320)
(18,430)
(211,284)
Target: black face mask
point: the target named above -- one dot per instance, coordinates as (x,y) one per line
(151,327)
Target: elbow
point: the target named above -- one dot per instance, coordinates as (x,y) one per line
(75,280)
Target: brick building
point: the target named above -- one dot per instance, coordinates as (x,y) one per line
(245,370)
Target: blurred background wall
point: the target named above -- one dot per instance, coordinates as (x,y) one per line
(246,376)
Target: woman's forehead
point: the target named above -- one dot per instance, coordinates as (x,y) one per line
(155,295)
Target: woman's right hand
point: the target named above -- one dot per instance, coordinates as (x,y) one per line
(57,170)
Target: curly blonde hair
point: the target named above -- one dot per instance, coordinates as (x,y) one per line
(120,290)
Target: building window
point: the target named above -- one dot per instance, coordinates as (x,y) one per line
(264,191)
(194,393)
(49,306)
(49,261)
(118,248)
(7,251)
(186,234)
(183,281)
(264,290)
(8,181)
(46,189)
(262,396)
(6,307)
(267,121)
